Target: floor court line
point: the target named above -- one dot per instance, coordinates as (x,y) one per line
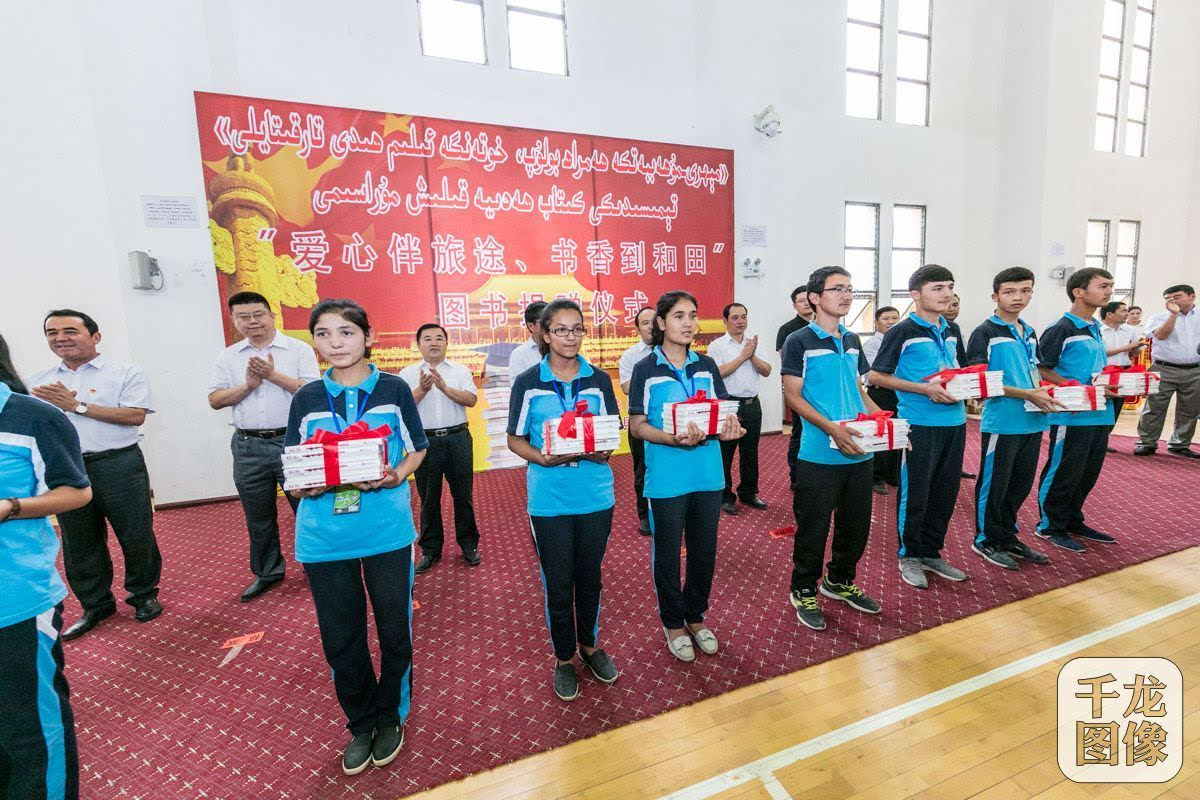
(763,769)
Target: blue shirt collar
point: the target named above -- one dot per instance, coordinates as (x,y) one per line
(1081,323)
(1024,326)
(661,357)
(940,327)
(824,334)
(547,375)
(368,385)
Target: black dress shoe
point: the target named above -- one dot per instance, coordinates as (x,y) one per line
(1144,450)
(257,587)
(472,557)
(1186,452)
(756,502)
(644,526)
(969,475)
(427,561)
(147,610)
(729,508)
(85,623)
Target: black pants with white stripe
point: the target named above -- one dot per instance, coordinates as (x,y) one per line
(689,519)
(1008,465)
(38,759)
(824,491)
(929,477)
(1076,458)
(571,549)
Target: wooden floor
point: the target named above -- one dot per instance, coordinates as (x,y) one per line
(998,742)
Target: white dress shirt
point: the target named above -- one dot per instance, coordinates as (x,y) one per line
(522,359)
(106,383)
(437,410)
(743,381)
(1181,347)
(1117,337)
(265,408)
(871,346)
(630,359)
(1139,331)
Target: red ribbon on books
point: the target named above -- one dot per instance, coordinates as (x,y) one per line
(883,424)
(329,445)
(567,427)
(1089,391)
(1110,375)
(700,398)
(947,374)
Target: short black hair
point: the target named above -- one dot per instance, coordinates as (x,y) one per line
(879,312)
(930,273)
(430,326)
(246,299)
(1179,287)
(663,307)
(799,290)
(548,312)
(1011,275)
(725,311)
(88,322)
(816,281)
(533,312)
(638,315)
(348,310)
(1080,279)
(1110,308)
(1134,308)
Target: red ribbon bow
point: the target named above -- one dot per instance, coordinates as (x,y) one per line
(1089,390)
(883,424)
(1112,375)
(947,374)
(700,398)
(566,425)
(329,444)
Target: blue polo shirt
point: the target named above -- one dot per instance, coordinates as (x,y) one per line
(582,487)
(673,471)
(830,366)
(1074,348)
(914,348)
(39,451)
(1013,350)
(384,519)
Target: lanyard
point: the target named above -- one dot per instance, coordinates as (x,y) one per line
(679,375)
(936,335)
(362,409)
(562,398)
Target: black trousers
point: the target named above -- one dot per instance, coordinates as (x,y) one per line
(689,519)
(1117,403)
(38,759)
(1008,465)
(339,591)
(571,549)
(257,474)
(929,477)
(121,496)
(450,457)
(886,464)
(840,491)
(1076,458)
(750,415)
(794,448)
(637,448)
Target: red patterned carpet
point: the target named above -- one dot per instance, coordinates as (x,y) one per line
(158,717)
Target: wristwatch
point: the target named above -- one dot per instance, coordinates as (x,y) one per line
(14,508)
(81,409)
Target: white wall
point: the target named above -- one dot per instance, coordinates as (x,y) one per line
(1005,168)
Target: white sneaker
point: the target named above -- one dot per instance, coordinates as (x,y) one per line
(705,640)
(680,646)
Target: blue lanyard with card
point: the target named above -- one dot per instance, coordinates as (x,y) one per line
(348,500)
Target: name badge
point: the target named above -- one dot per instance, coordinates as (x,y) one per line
(347,501)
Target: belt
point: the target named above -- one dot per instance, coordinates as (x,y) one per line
(264,433)
(440,432)
(102,454)
(1176,366)
(745,401)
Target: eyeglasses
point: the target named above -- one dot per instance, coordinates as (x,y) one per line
(562,332)
(839,289)
(257,316)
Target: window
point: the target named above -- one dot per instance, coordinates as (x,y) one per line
(912,62)
(1112,37)
(1096,254)
(1125,275)
(908,251)
(864,59)
(1139,79)
(862,261)
(453,29)
(537,36)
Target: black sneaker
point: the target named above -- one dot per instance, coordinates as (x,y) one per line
(807,610)
(566,682)
(644,526)
(1062,540)
(850,594)
(600,665)
(388,741)
(730,508)
(1027,553)
(879,487)
(357,755)
(1091,534)
(1001,558)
